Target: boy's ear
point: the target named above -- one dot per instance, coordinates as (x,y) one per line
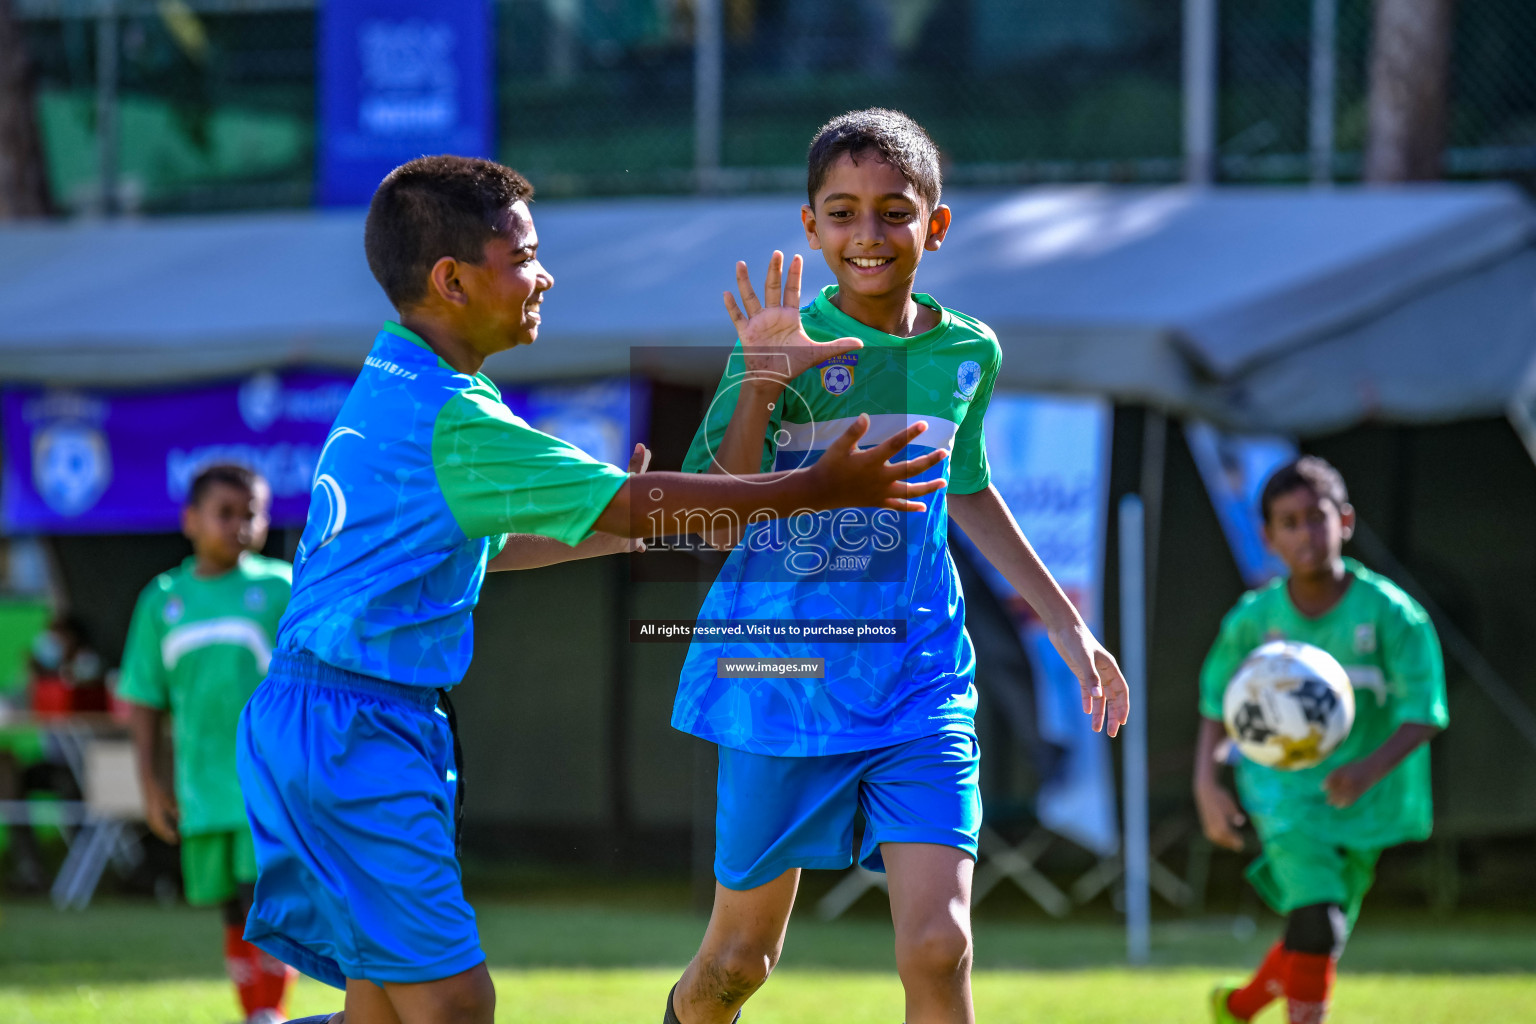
(1347,521)
(808,218)
(187,512)
(938,227)
(444,281)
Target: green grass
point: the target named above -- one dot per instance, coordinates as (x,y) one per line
(572,964)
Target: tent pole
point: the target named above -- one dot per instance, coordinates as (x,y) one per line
(1133,662)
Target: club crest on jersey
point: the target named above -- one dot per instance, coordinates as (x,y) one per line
(173,611)
(967,379)
(1365,638)
(837,378)
(255,599)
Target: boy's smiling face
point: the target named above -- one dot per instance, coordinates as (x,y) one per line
(505,289)
(872,226)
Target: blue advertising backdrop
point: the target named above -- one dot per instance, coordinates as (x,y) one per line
(400,79)
(120,461)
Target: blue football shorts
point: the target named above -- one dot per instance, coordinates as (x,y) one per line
(349,782)
(777,813)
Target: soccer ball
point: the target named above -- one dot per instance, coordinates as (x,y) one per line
(1289,706)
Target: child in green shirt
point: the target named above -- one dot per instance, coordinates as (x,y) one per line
(200,642)
(1322,828)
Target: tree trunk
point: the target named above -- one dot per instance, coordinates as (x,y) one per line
(1410,72)
(23,175)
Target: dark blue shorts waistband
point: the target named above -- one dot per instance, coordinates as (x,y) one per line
(304,667)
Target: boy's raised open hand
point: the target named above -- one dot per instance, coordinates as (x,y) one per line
(848,476)
(774,344)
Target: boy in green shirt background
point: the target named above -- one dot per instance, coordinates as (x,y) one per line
(1322,828)
(200,641)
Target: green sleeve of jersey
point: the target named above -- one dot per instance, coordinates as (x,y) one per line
(498,545)
(712,431)
(1414,668)
(1233,644)
(143,679)
(968,470)
(499,475)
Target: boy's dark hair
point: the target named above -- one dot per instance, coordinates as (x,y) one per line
(1315,474)
(892,134)
(231,474)
(432,207)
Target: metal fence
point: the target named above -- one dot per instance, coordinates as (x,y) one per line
(208,104)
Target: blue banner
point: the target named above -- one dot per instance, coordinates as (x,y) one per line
(120,461)
(1235,468)
(1049,457)
(400,79)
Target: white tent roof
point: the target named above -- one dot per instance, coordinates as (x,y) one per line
(1295,309)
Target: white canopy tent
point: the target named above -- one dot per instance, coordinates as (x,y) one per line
(1287,309)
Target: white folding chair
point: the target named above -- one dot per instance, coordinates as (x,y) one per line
(113,801)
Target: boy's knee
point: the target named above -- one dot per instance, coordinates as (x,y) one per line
(1319,929)
(471,1001)
(734,972)
(940,948)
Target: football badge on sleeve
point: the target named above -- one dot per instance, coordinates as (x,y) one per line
(836,378)
(967,379)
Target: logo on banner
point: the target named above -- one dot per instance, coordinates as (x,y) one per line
(409,67)
(261,401)
(837,378)
(71,466)
(967,379)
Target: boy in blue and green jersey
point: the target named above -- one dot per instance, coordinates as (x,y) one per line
(199,643)
(346,756)
(889,729)
(1321,829)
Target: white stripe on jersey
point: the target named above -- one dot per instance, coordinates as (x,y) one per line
(813,437)
(233,630)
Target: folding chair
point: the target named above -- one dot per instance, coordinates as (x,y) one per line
(113,801)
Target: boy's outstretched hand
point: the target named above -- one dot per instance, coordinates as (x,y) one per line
(848,476)
(774,344)
(1106,698)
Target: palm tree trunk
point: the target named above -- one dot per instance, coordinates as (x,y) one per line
(1410,72)
(23,175)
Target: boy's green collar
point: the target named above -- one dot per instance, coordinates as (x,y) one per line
(857,328)
(401,331)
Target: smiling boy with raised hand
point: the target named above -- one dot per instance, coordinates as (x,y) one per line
(347,755)
(889,729)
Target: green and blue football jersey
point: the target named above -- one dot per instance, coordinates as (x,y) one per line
(850,566)
(423,474)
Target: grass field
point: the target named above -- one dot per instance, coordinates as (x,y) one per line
(132,963)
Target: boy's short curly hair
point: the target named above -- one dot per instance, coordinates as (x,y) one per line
(900,140)
(1309,471)
(230,474)
(432,207)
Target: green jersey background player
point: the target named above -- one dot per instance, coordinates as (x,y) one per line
(200,642)
(1322,828)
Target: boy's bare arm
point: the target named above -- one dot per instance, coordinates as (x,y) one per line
(844,477)
(1220,814)
(1348,782)
(991,527)
(147,726)
(533,551)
